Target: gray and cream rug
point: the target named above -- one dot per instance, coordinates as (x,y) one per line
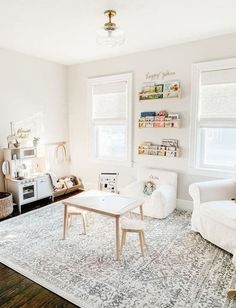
(181,269)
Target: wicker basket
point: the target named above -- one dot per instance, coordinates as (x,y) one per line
(6,204)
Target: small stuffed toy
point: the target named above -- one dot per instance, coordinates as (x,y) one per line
(68,182)
(60,184)
(149,187)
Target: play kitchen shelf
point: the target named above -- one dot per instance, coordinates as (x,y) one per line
(161,119)
(168,148)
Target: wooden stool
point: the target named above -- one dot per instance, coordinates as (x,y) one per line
(136,226)
(73,211)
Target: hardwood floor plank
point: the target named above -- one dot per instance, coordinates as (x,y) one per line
(19,291)
(44,300)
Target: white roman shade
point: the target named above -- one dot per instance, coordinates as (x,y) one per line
(218,76)
(218,94)
(110,118)
(110,101)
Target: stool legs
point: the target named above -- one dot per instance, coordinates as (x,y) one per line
(85,222)
(140,233)
(144,242)
(141,240)
(123,238)
(84,219)
(68,220)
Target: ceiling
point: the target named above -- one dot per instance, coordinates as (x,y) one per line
(64,30)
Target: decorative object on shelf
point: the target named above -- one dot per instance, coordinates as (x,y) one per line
(155,90)
(36,141)
(159,119)
(108,181)
(110,35)
(168,148)
(23,133)
(21,138)
(12,140)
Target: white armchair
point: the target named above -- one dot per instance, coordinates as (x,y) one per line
(214,212)
(163,200)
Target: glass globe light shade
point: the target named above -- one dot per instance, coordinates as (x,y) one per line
(110,37)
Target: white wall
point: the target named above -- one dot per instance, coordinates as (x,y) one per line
(30,86)
(178,59)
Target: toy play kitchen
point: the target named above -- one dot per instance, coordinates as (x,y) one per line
(24,176)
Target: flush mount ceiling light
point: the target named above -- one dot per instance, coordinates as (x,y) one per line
(110,35)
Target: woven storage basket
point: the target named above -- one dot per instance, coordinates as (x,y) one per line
(6,204)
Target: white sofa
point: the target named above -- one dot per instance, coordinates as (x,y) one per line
(214,213)
(163,200)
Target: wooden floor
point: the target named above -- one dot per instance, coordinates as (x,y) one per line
(18,291)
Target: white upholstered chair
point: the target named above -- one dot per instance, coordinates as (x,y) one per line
(163,200)
(214,212)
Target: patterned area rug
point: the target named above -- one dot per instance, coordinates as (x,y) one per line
(180,270)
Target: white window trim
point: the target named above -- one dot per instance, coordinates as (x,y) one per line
(194,155)
(92,150)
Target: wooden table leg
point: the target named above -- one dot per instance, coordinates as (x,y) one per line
(141,211)
(117,238)
(65,222)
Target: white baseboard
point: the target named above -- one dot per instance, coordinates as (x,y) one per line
(185,205)
(90,185)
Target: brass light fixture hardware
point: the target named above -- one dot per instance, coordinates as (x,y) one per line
(110,34)
(110,26)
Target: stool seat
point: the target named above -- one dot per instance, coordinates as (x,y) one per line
(132,224)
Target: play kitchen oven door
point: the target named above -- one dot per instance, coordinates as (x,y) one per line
(28,192)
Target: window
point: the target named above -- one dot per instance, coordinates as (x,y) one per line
(110,99)
(214,115)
